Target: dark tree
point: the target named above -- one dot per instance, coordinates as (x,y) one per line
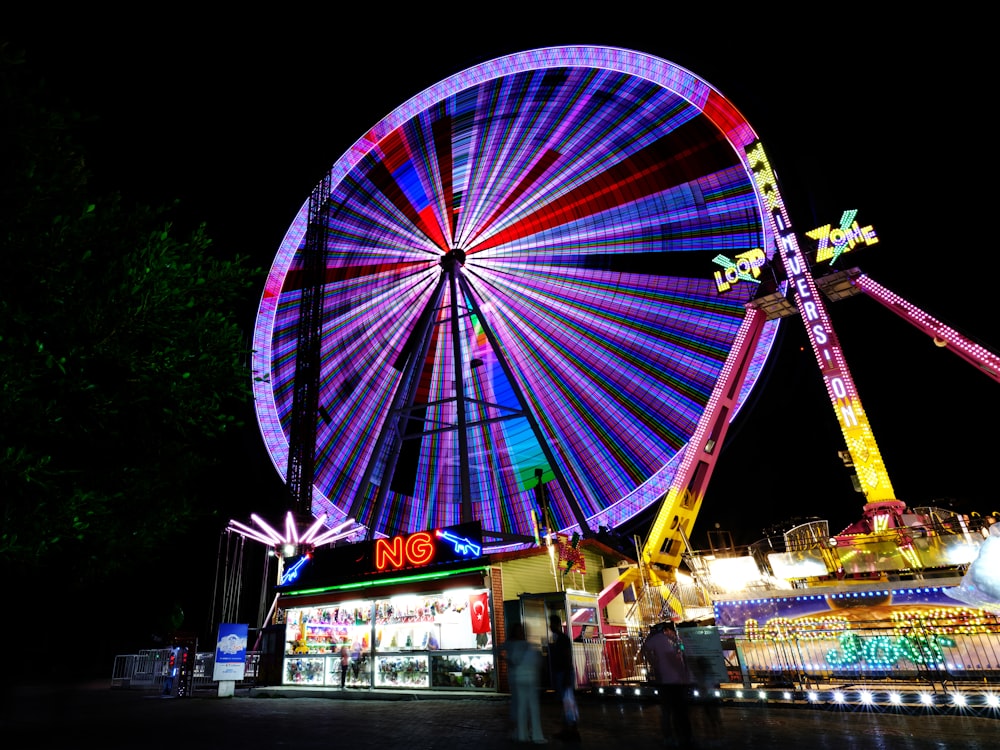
(123,366)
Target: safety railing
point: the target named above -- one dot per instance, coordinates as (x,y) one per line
(926,656)
(887,653)
(144,670)
(149,670)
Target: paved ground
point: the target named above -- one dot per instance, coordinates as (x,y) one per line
(94,715)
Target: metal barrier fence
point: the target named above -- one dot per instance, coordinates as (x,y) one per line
(149,670)
(880,653)
(612,660)
(145,670)
(874,655)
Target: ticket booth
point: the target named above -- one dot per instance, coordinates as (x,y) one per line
(579,614)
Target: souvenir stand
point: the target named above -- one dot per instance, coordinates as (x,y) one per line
(414,612)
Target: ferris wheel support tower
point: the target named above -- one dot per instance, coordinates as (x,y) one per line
(301,467)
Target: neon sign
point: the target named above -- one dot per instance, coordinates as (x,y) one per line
(887,628)
(461,545)
(292,573)
(444,548)
(746,267)
(878,652)
(884,652)
(834,242)
(398,552)
(422,548)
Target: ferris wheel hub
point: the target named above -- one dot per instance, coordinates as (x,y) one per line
(453,256)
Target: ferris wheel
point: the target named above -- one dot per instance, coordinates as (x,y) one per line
(520,324)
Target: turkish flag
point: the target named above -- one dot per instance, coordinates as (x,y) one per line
(479,612)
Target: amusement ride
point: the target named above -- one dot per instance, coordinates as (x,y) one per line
(535,296)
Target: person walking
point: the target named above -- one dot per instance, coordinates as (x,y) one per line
(563,678)
(345,662)
(664,653)
(524,664)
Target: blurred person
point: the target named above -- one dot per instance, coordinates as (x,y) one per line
(709,707)
(345,662)
(664,653)
(173,667)
(561,654)
(355,660)
(524,664)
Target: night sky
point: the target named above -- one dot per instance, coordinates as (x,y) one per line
(239,121)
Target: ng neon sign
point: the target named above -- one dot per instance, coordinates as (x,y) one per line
(404,552)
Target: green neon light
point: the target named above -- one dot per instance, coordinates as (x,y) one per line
(884,652)
(384,582)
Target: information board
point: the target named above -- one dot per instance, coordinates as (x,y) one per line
(703,655)
(230,652)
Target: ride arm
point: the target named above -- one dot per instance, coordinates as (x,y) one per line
(667,539)
(943,336)
(679,508)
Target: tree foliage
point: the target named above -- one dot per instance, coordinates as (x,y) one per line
(122,361)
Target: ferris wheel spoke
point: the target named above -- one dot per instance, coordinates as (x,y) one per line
(672,160)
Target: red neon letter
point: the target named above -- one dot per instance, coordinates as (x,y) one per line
(419,548)
(386,554)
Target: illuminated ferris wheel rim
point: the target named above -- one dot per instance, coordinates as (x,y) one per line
(677,80)
(664,73)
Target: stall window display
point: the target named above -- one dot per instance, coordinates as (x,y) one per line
(314,636)
(410,641)
(401,671)
(462,671)
(358,672)
(304,671)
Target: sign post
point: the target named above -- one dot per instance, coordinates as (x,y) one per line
(230,657)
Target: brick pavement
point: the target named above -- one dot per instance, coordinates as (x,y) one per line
(95,715)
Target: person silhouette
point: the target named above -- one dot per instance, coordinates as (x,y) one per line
(563,678)
(345,662)
(524,663)
(664,653)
